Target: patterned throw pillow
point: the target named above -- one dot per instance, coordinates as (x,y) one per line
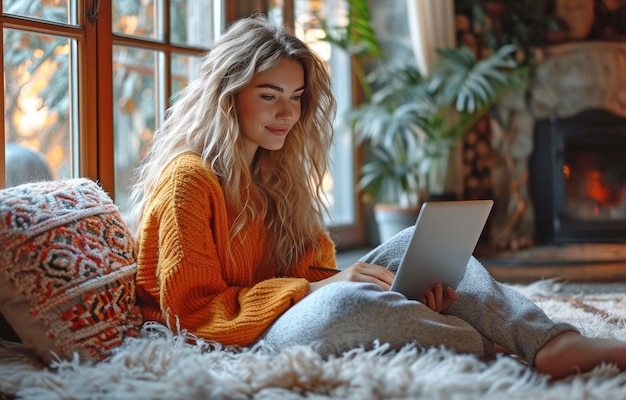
(67,269)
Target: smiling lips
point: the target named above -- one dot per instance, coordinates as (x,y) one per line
(278,130)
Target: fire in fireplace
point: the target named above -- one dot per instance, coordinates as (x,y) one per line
(578,178)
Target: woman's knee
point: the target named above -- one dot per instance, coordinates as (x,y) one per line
(356,299)
(346,292)
(323,313)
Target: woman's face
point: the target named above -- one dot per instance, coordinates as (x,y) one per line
(270,106)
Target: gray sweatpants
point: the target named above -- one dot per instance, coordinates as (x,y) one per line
(345,315)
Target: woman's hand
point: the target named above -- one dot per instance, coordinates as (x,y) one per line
(437,300)
(359,272)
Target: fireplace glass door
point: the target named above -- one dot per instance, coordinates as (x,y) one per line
(594,174)
(578,178)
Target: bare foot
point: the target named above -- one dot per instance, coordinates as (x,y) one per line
(569,353)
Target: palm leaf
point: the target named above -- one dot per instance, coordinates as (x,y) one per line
(460,79)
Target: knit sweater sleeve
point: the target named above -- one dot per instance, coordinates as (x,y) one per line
(194,280)
(318,262)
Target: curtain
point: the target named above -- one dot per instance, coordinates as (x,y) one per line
(431,26)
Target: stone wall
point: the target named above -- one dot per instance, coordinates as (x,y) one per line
(579,73)
(570,78)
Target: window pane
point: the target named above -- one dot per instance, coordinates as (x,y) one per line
(339,187)
(135,112)
(62,11)
(135,18)
(37,104)
(192,22)
(184,69)
(275,11)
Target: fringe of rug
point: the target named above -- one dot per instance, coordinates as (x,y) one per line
(160,364)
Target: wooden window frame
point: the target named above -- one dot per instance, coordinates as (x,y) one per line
(95,41)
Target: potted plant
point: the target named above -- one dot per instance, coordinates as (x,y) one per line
(408,124)
(387,125)
(461,90)
(411,124)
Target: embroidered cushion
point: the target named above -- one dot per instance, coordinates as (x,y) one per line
(67,269)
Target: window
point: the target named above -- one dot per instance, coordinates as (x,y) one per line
(40,67)
(152,59)
(345,219)
(87,83)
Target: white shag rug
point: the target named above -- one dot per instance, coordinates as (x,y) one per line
(160,365)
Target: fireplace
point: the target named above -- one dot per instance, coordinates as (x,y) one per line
(578,178)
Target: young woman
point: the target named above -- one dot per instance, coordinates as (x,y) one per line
(231,236)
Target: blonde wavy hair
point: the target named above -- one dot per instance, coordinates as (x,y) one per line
(203,120)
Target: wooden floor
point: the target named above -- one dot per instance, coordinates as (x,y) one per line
(573,263)
(522,273)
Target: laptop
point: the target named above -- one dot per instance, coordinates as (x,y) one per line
(445,236)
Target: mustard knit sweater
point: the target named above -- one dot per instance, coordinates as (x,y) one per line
(185,271)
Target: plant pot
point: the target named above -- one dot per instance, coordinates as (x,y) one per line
(392,219)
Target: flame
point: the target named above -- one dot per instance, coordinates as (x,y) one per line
(599,190)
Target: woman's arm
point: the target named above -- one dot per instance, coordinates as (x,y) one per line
(186,266)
